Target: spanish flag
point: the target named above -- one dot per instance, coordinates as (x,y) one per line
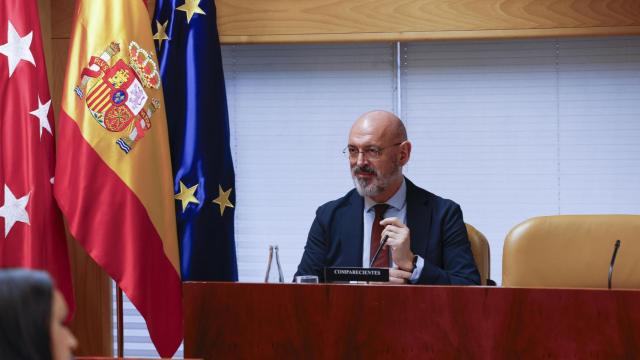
(113,174)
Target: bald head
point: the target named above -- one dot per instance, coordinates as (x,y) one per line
(383,125)
(378,149)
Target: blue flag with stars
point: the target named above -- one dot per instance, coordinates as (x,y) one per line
(186,38)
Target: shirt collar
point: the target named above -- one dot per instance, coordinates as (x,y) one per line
(396,201)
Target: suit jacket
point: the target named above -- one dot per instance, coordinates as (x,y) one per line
(437,232)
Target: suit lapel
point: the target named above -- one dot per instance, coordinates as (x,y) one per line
(353,229)
(418,218)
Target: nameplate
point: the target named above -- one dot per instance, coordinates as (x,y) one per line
(346,274)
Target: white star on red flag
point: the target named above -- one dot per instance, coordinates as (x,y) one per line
(31,228)
(13,210)
(17,48)
(42,113)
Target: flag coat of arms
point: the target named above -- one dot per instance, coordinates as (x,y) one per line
(113,176)
(31,229)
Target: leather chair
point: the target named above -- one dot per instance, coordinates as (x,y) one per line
(480,250)
(573,251)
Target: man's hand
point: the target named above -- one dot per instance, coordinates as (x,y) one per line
(397,276)
(400,241)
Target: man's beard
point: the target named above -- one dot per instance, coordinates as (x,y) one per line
(372,186)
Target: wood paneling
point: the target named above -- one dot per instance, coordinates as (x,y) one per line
(289,321)
(258,21)
(295,21)
(56,71)
(92,321)
(44,11)
(61,18)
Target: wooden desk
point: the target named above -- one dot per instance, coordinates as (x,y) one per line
(290,321)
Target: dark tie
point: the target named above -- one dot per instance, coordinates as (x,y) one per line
(376,231)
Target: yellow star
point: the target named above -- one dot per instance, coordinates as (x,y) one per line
(223,199)
(191,7)
(162,32)
(186,195)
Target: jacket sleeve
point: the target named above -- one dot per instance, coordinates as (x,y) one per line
(459,267)
(315,251)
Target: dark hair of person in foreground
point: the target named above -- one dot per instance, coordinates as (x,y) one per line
(26,299)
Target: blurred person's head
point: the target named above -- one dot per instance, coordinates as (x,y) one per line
(32,314)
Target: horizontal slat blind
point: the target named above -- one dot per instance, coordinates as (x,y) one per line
(137,343)
(508,129)
(483,117)
(516,129)
(291,108)
(599,93)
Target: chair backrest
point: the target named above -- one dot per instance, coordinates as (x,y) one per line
(572,251)
(480,250)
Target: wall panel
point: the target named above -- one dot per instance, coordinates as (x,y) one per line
(291,21)
(258,21)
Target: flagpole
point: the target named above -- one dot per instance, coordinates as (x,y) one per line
(119,315)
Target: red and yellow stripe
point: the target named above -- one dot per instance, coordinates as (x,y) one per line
(99,98)
(120,206)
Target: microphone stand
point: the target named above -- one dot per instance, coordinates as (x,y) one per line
(375,256)
(613,261)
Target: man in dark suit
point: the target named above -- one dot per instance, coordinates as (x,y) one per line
(426,237)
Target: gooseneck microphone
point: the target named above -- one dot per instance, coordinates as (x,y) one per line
(384,241)
(613,260)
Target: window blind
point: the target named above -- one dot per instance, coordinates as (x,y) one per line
(599,112)
(508,129)
(516,129)
(291,109)
(483,117)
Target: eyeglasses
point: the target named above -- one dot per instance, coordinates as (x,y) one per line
(371,152)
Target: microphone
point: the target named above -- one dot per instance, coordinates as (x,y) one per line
(613,260)
(384,241)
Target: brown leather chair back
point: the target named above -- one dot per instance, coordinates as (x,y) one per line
(480,250)
(572,251)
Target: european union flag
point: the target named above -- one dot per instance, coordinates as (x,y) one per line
(187,44)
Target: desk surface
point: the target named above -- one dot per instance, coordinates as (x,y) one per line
(224,320)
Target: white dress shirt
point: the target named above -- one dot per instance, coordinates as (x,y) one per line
(397,208)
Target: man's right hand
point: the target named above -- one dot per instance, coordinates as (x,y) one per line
(397,276)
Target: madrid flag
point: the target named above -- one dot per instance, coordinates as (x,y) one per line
(31,230)
(113,175)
